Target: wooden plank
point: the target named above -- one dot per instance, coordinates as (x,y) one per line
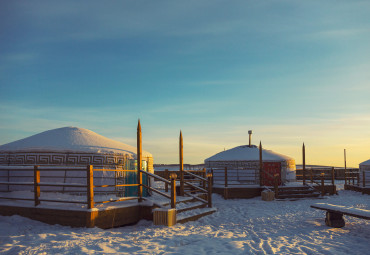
(14,198)
(56,184)
(157,191)
(195,187)
(90,186)
(116,185)
(139,163)
(116,200)
(337,210)
(181,156)
(63,201)
(17,183)
(115,170)
(36,187)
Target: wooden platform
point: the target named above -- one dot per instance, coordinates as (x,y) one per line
(238,192)
(255,191)
(103,218)
(363,190)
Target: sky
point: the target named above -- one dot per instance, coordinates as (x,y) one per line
(291,71)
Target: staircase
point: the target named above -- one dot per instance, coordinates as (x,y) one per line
(194,204)
(294,193)
(189,209)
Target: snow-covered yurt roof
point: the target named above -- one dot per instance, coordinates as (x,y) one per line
(365,163)
(247,153)
(71,140)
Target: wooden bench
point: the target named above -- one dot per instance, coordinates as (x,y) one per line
(334,213)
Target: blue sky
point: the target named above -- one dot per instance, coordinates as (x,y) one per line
(293,71)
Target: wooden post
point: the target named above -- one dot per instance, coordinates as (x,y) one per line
(358,178)
(212,177)
(209,177)
(173,177)
(363,179)
(204,175)
(353,178)
(167,177)
(304,164)
(181,150)
(90,186)
(345,168)
(261,163)
(322,184)
(276,185)
(139,164)
(36,187)
(226,184)
(332,175)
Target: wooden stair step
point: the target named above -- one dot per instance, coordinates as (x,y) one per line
(194,214)
(299,195)
(295,188)
(191,206)
(287,192)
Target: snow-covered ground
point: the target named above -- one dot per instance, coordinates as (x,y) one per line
(240,226)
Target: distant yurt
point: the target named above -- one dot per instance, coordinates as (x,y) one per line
(365,168)
(246,157)
(72,147)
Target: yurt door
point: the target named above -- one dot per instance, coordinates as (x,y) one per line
(271,168)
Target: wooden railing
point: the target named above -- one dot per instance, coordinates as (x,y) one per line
(356,178)
(87,187)
(172,182)
(320,177)
(235,176)
(196,183)
(203,188)
(352,176)
(314,175)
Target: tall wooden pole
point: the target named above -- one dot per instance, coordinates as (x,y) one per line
(90,186)
(139,163)
(261,163)
(36,187)
(345,167)
(181,150)
(304,164)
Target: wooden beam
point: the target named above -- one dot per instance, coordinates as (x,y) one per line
(181,152)
(209,177)
(304,164)
(345,167)
(173,177)
(90,186)
(139,163)
(261,163)
(36,187)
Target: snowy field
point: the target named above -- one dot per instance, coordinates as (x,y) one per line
(249,226)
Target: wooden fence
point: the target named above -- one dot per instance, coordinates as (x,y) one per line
(356,178)
(316,174)
(90,188)
(235,176)
(87,185)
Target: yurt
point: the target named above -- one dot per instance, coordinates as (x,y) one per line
(246,158)
(72,147)
(365,168)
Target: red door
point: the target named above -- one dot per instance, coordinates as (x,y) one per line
(271,168)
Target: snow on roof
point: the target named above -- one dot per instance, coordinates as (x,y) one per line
(70,139)
(244,152)
(365,163)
